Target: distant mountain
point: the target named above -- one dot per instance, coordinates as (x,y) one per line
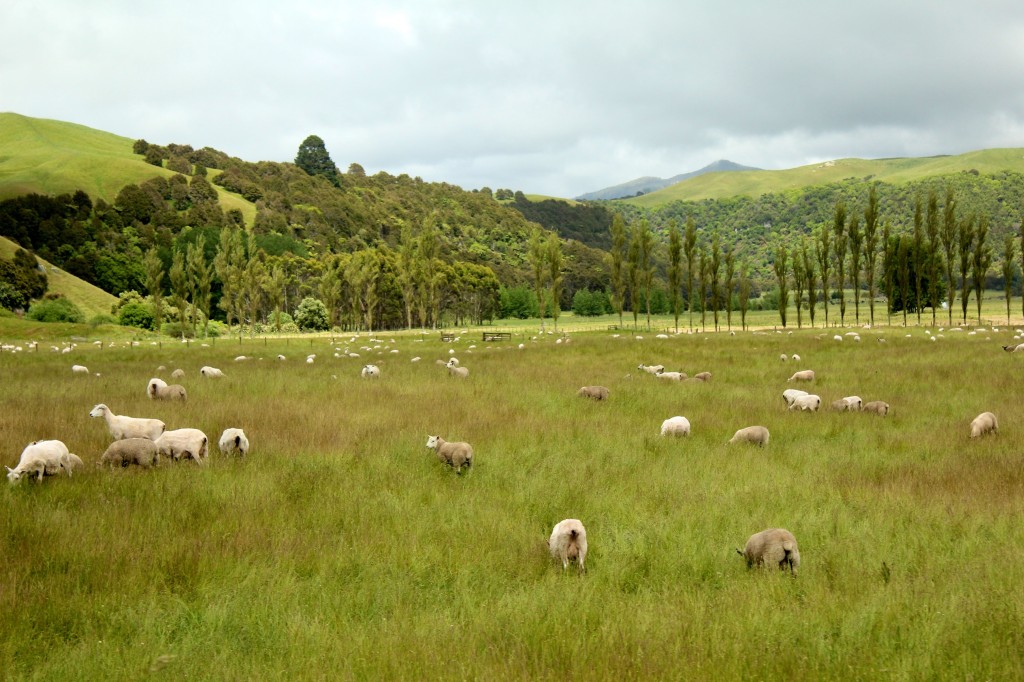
(651,184)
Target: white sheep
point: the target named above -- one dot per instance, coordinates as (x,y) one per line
(370,372)
(651,369)
(984,423)
(42,457)
(139,451)
(452,362)
(675,426)
(877,407)
(807,403)
(455,454)
(758,435)
(121,427)
(593,392)
(796,358)
(568,542)
(772,547)
(234,441)
(184,443)
(241,358)
(702,376)
(783,357)
(791,394)
(456,371)
(178,374)
(79,369)
(671,376)
(158,389)
(211,372)
(853,403)
(803,375)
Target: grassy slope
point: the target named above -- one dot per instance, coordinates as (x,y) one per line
(54,157)
(90,299)
(341,547)
(756,183)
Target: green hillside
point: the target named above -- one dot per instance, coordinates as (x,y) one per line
(90,299)
(894,171)
(54,157)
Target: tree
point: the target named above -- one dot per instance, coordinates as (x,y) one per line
(645,243)
(554,261)
(839,228)
(690,249)
(179,289)
(904,260)
(933,255)
(253,275)
(363,273)
(799,282)
(822,254)
(888,268)
(917,267)
(713,271)
(781,267)
(856,239)
(428,272)
(155,286)
(274,290)
(949,235)
(744,294)
(981,262)
(200,275)
(870,248)
(809,275)
(1009,266)
(965,242)
(329,290)
(730,274)
(311,315)
(616,256)
(314,159)
(406,274)
(705,277)
(230,266)
(537,255)
(675,267)
(633,270)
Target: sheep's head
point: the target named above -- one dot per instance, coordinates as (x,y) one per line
(12,475)
(432,442)
(98,411)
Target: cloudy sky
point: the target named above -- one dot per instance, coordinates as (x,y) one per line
(550,97)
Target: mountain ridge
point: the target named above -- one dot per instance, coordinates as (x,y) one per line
(650,183)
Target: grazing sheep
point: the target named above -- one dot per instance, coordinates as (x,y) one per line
(79,369)
(839,405)
(984,423)
(796,358)
(139,451)
(370,372)
(159,390)
(452,362)
(241,358)
(122,427)
(651,369)
(702,376)
(772,547)
(456,371)
(758,435)
(791,394)
(1012,348)
(178,374)
(593,392)
(783,358)
(211,372)
(71,461)
(877,407)
(671,376)
(854,403)
(803,375)
(568,542)
(234,441)
(183,443)
(807,403)
(41,457)
(675,426)
(455,454)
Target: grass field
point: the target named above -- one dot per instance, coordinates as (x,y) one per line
(342,549)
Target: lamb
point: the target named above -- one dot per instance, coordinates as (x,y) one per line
(456,371)
(772,547)
(178,373)
(158,389)
(211,372)
(850,403)
(71,461)
(185,443)
(232,441)
(370,372)
(984,423)
(1012,348)
(758,435)
(791,394)
(796,358)
(878,407)
(675,426)
(806,402)
(702,376)
(783,357)
(568,541)
(671,376)
(42,457)
(121,427)
(651,369)
(139,451)
(593,392)
(803,375)
(79,369)
(455,454)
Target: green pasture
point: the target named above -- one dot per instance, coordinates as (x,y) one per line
(342,549)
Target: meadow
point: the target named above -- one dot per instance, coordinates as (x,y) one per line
(342,549)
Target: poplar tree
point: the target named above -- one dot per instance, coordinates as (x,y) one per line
(981,262)
(616,256)
(633,270)
(932,226)
(646,246)
(855,241)
(904,260)
(871,247)
(917,264)
(675,267)
(179,289)
(714,269)
(690,249)
(888,269)
(274,289)
(839,229)
(799,282)
(781,267)
(810,276)
(965,245)
(949,238)
(554,263)
(155,285)
(705,273)
(201,275)
(229,264)
(1008,269)
(822,253)
(744,294)
(730,274)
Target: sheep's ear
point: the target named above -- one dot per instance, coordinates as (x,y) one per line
(9,468)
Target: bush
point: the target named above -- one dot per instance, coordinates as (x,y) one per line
(174,329)
(55,309)
(587,303)
(519,302)
(102,318)
(136,315)
(311,315)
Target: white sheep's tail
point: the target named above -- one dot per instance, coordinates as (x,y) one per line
(787,560)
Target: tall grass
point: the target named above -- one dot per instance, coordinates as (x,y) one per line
(341,548)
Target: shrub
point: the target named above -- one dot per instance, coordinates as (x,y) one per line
(136,314)
(311,315)
(55,309)
(102,318)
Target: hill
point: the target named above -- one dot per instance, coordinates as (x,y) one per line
(55,157)
(648,184)
(892,171)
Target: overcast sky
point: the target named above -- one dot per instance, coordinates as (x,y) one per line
(547,97)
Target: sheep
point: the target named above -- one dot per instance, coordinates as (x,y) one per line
(79,369)
(211,372)
(568,541)
(807,403)
(1013,348)
(456,371)
(772,547)
(370,372)
(854,403)
(675,426)
(232,441)
(455,454)
(702,376)
(803,375)
(139,451)
(877,407)
(178,374)
(42,457)
(671,376)
(796,358)
(71,461)
(651,369)
(791,394)
(783,358)
(452,362)
(984,423)
(185,443)
(593,392)
(121,427)
(758,435)
(157,388)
